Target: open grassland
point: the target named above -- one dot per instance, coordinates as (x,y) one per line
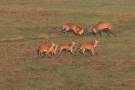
(25,24)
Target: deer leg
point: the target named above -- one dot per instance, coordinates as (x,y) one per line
(65,32)
(60,50)
(54,53)
(114,33)
(83,50)
(100,32)
(66,51)
(108,33)
(78,50)
(94,34)
(41,53)
(48,54)
(92,51)
(72,51)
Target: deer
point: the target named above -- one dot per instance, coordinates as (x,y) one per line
(67,47)
(103,26)
(87,45)
(71,26)
(46,48)
(54,50)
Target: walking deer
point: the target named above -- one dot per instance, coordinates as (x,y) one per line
(89,46)
(45,48)
(67,47)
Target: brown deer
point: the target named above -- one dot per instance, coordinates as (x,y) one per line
(45,48)
(67,47)
(103,26)
(71,26)
(54,50)
(89,46)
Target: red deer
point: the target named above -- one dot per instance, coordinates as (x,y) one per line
(103,26)
(54,50)
(67,47)
(87,46)
(70,26)
(45,48)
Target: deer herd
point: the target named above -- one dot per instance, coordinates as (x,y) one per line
(97,29)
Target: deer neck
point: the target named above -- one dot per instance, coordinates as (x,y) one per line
(52,46)
(72,45)
(55,48)
(95,43)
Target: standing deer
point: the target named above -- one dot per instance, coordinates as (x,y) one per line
(89,46)
(67,47)
(71,26)
(103,26)
(45,48)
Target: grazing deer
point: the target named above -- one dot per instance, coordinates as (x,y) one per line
(67,47)
(89,46)
(103,26)
(70,26)
(45,48)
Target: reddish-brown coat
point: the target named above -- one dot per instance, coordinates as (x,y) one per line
(103,26)
(89,46)
(71,26)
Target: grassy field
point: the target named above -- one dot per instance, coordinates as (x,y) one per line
(25,24)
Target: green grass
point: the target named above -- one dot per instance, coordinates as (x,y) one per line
(27,24)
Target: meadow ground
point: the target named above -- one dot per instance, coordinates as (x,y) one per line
(25,24)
